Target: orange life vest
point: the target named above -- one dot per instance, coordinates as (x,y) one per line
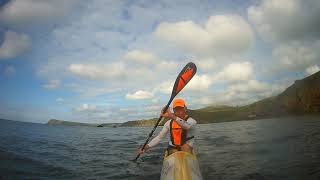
(178,135)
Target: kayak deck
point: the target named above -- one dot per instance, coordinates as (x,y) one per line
(180,166)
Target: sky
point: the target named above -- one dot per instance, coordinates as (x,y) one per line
(102,61)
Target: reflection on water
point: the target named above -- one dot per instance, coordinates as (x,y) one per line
(286,148)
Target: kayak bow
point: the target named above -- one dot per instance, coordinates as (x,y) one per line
(180,166)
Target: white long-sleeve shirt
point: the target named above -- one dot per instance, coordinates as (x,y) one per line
(189,125)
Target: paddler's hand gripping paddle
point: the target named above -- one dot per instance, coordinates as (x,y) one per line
(182,80)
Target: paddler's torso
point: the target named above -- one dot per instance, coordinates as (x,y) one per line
(188,124)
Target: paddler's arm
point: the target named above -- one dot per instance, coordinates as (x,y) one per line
(157,139)
(185,124)
(162,134)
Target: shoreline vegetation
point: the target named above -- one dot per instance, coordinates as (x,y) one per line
(301,98)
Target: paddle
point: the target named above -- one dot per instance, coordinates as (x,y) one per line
(182,80)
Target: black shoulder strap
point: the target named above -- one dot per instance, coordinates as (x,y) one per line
(171,137)
(187,138)
(184,136)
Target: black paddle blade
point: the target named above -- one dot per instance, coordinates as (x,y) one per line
(183,78)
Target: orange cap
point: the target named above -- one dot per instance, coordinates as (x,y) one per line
(179,103)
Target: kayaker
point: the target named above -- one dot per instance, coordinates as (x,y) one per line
(181,128)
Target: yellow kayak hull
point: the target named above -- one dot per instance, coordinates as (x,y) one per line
(180,166)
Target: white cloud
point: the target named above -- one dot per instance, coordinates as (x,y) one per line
(99,72)
(232,73)
(238,71)
(169,66)
(52,84)
(98,27)
(148,58)
(86,108)
(236,85)
(220,35)
(117,73)
(312,69)
(14,44)
(285,20)
(250,86)
(139,95)
(91,91)
(62,63)
(23,13)
(205,64)
(292,27)
(199,83)
(155,100)
(165,87)
(9,71)
(153,108)
(141,57)
(296,56)
(48,68)
(242,93)
(60,100)
(254,90)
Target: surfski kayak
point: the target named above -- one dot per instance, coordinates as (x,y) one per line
(180,166)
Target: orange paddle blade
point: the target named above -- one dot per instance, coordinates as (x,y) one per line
(184,77)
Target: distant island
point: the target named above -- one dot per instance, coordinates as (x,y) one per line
(303,97)
(71,123)
(68,123)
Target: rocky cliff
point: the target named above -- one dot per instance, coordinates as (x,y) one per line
(303,96)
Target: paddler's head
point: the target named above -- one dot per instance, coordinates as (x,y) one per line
(179,108)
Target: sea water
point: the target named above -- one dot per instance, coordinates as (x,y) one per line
(279,148)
